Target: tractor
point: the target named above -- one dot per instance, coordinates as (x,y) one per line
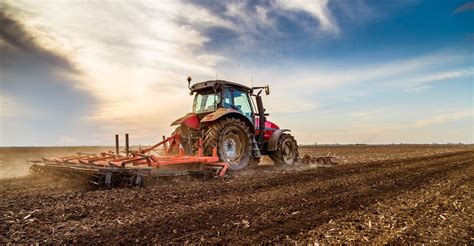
(227,129)
(231,117)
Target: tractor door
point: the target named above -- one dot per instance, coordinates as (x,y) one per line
(238,100)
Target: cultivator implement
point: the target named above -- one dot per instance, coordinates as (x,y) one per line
(322,160)
(133,167)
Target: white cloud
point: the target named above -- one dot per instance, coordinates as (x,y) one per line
(249,22)
(445,118)
(308,84)
(439,76)
(238,10)
(316,77)
(262,14)
(6,106)
(134,57)
(317,8)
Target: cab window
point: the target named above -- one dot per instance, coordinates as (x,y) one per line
(206,102)
(227,100)
(242,103)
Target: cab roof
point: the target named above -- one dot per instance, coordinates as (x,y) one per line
(200,86)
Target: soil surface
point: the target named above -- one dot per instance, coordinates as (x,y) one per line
(376,194)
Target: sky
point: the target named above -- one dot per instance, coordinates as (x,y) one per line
(340,71)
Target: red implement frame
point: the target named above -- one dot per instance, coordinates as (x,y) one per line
(142,158)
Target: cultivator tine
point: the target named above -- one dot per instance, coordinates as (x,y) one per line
(96,179)
(108,179)
(325,160)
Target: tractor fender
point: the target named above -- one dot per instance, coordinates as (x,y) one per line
(190,120)
(273,141)
(223,112)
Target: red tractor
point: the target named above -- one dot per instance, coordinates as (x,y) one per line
(227,129)
(231,117)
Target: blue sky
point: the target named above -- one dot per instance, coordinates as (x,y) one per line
(76,73)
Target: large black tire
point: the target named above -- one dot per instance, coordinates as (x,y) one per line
(287,151)
(233,140)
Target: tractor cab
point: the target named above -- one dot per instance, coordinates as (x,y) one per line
(212,95)
(215,98)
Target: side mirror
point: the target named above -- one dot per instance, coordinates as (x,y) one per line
(189,82)
(267,90)
(189,85)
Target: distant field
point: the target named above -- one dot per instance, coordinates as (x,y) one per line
(365,153)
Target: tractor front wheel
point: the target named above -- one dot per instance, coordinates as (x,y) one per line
(233,140)
(287,151)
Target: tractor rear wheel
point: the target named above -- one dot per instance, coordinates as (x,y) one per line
(233,140)
(287,151)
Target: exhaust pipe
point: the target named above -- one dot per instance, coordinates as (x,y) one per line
(261,117)
(127,146)
(117,144)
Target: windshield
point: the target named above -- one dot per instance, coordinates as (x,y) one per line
(206,102)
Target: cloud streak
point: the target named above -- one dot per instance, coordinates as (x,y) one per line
(439,76)
(317,9)
(465,7)
(408,72)
(445,118)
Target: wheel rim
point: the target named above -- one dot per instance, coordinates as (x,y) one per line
(232,147)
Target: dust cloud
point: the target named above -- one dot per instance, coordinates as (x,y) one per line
(14,161)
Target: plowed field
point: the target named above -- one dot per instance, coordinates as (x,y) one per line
(377,194)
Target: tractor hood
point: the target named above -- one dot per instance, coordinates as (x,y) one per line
(268,124)
(218,114)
